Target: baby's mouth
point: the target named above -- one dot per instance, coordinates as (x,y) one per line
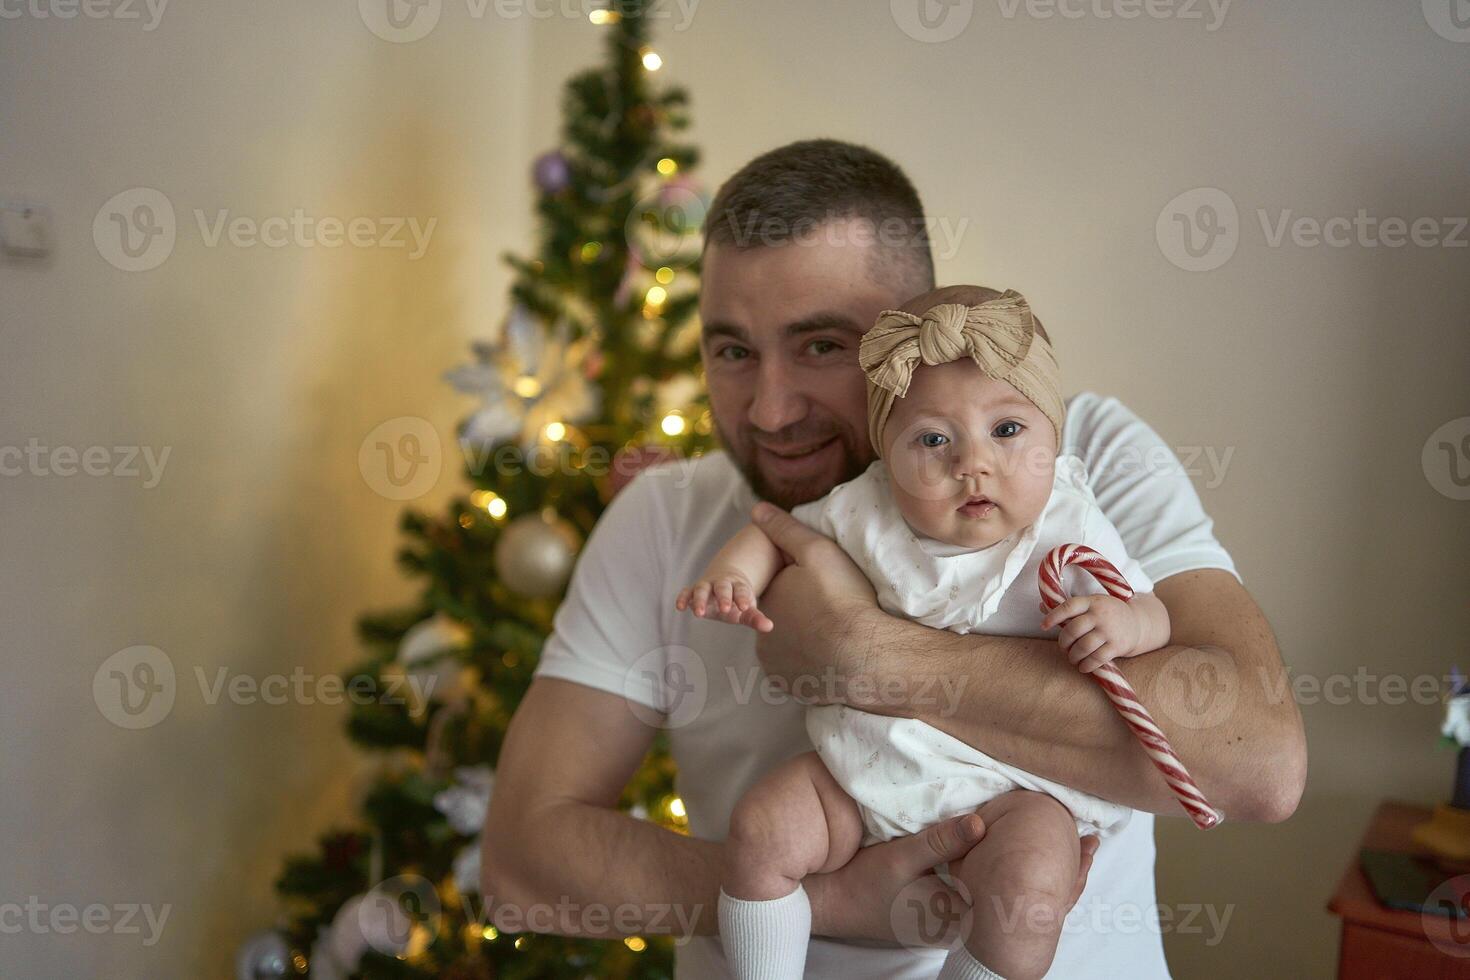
(978,506)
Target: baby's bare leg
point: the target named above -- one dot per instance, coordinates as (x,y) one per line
(1020,877)
(794,822)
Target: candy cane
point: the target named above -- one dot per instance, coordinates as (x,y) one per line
(1116,686)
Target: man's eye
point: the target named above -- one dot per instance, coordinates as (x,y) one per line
(733,353)
(933,440)
(1007,430)
(823,346)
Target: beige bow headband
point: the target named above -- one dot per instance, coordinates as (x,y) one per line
(999,334)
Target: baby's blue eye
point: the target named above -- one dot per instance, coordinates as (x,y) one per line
(933,440)
(1007,430)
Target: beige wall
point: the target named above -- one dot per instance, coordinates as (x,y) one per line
(262,369)
(1321,370)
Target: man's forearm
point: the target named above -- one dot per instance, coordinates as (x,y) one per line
(1020,701)
(576,869)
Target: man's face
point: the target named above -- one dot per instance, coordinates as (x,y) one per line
(781,331)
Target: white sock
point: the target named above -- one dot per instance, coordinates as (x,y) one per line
(960,965)
(766,940)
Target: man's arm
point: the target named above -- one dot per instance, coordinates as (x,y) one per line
(1218,691)
(559,857)
(554,838)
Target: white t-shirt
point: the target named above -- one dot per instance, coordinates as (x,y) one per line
(904,773)
(618,631)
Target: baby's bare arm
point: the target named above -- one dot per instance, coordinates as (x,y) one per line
(1154,617)
(730,587)
(749,556)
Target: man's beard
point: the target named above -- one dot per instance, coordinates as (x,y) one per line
(788,494)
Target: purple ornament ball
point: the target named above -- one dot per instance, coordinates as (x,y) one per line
(551,172)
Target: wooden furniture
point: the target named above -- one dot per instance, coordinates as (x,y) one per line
(1384,944)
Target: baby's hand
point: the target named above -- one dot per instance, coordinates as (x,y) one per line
(727,598)
(1097,630)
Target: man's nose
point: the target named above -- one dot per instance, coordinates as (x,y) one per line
(776,402)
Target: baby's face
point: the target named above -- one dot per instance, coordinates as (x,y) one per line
(971,460)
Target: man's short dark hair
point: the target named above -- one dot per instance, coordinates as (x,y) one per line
(790,194)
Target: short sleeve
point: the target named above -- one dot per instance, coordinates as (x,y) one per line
(613,611)
(1101,536)
(1143,489)
(817,515)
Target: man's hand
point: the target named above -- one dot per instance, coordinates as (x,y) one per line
(857,901)
(814,600)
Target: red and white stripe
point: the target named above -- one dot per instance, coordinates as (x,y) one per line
(1116,686)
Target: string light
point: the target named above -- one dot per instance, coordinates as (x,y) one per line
(591,250)
(656,296)
(526,386)
(520,942)
(604,16)
(668,166)
(490,933)
(651,60)
(672,424)
(676,807)
(635,943)
(555,431)
(488,501)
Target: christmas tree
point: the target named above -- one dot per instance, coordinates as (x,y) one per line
(592,376)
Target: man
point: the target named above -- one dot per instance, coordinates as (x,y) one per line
(804,247)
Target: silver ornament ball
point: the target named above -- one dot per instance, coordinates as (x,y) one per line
(534,556)
(263,956)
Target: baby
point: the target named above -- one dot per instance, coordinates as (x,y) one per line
(950,524)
